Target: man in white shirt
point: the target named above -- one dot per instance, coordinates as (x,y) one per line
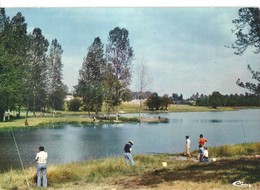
(188,147)
(41,159)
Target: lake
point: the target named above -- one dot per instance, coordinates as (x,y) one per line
(67,143)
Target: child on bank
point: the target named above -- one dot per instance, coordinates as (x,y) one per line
(206,154)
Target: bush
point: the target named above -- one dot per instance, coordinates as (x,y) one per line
(74,104)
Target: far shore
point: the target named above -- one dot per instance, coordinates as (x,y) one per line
(84,117)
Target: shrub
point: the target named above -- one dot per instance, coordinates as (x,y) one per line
(74,104)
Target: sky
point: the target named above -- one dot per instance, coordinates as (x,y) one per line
(183,48)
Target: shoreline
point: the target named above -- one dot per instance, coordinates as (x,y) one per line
(238,163)
(76,117)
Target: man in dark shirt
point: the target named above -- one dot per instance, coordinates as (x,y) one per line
(128,156)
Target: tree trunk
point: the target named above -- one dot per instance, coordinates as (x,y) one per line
(19,111)
(34,103)
(53,110)
(116,113)
(140,109)
(4,117)
(8,114)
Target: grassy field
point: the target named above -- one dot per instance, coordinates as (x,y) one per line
(112,173)
(134,108)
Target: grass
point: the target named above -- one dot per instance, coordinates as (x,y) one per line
(112,173)
(37,121)
(134,108)
(246,149)
(42,121)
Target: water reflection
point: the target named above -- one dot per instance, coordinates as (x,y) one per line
(78,142)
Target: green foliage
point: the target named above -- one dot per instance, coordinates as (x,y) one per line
(215,99)
(119,57)
(255,88)
(127,119)
(56,89)
(24,69)
(14,43)
(247,30)
(153,101)
(74,104)
(156,102)
(229,100)
(165,101)
(36,92)
(90,85)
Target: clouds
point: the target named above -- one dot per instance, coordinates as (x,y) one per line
(184,48)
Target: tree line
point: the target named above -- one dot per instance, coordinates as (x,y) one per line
(30,68)
(216,99)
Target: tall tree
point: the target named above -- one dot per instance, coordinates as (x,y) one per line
(92,75)
(37,82)
(14,57)
(143,82)
(3,18)
(120,55)
(247,31)
(56,89)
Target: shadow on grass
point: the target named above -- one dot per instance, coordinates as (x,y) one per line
(223,171)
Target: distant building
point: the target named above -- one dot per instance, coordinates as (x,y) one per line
(68,98)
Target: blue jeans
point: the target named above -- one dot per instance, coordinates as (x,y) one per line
(201,158)
(41,169)
(206,159)
(128,156)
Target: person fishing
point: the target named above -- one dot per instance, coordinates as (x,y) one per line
(41,159)
(202,141)
(128,156)
(188,147)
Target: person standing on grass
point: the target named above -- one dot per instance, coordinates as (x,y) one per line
(41,159)
(128,156)
(202,141)
(188,147)
(26,123)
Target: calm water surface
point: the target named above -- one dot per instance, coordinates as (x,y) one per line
(73,142)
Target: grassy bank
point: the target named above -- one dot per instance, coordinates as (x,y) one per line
(42,121)
(112,173)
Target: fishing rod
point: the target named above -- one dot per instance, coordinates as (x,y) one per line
(244,131)
(25,179)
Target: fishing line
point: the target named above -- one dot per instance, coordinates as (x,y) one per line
(244,131)
(27,183)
